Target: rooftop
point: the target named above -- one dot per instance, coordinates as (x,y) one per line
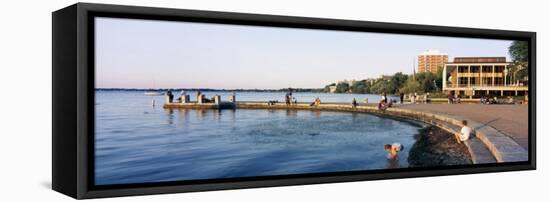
(479,60)
(432,52)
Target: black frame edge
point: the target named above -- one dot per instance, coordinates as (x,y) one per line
(64,101)
(533,99)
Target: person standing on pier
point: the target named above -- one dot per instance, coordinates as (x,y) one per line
(401,97)
(170,95)
(287,99)
(354,103)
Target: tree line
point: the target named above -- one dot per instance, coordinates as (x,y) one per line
(395,84)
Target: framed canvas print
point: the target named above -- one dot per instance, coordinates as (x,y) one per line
(157,100)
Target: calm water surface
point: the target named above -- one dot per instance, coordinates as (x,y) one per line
(136,142)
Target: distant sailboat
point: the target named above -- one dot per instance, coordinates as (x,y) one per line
(153,92)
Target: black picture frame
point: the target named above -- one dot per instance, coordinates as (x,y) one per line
(73,99)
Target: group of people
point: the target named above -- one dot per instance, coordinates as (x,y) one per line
(171,95)
(453,98)
(488,100)
(394,149)
(289,99)
(494,100)
(183,94)
(384,103)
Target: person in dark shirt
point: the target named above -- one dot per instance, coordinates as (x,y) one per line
(170,95)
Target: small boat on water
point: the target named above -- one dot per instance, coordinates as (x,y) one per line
(153,93)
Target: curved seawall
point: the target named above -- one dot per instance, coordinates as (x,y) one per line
(488,145)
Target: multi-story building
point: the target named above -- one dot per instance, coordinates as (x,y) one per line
(431,61)
(476,76)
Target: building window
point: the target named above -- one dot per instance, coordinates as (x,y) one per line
(463,81)
(499,81)
(499,69)
(487,69)
(487,81)
(462,69)
(474,69)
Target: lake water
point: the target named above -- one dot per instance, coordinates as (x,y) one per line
(136,142)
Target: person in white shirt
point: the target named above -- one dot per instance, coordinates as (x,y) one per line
(464,133)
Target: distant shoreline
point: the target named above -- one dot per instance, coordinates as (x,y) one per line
(312,90)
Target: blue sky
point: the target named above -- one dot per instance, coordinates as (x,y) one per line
(161,54)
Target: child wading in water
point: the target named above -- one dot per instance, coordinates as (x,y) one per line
(464,133)
(393,150)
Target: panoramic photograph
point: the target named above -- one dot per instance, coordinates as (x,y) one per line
(180,101)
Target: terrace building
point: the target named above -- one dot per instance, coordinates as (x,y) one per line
(477,76)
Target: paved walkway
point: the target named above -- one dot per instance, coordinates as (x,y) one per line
(511,120)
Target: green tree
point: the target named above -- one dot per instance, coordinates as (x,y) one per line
(410,86)
(426,81)
(382,86)
(342,87)
(522,74)
(359,87)
(397,81)
(519,51)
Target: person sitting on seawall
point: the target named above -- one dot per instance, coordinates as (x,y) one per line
(316,103)
(427,98)
(393,150)
(382,105)
(451,98)
(464,133)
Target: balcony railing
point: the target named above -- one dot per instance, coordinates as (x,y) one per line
(496,74)
(449,85)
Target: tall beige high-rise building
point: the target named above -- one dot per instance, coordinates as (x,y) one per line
(431,60)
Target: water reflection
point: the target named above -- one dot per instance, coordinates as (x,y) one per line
(316,113)
(170,117)
(290,112)
(392,163)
